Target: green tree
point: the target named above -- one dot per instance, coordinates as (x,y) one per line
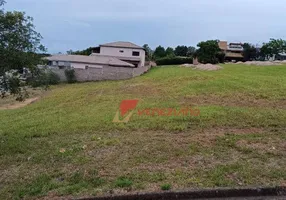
(249,52)
(191,51)
(273,47)
(85,52)
(70,52)
(170,52)
(208,52)
(19,48)
(181,51)
(159,52)
(148,51)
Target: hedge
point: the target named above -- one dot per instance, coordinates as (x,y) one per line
(174,60)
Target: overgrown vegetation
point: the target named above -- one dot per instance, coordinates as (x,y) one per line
(273,48)
(209,52)
(174,60)
(250,52)
(19,48)
(70,75)
(11,82)
(85,52)
(180,51)
(66,144)
(43,78)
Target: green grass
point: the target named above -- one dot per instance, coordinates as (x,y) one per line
(123,182)
(66,143)
(166,187)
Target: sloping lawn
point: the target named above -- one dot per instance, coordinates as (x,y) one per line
(67,145)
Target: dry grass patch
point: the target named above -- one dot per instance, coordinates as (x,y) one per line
(91,163)
(19,104)
(233,100)
(9,102)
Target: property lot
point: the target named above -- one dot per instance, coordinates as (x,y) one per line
(66,144)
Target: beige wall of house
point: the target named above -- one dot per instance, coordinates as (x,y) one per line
(124,52)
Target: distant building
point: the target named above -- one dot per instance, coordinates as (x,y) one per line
(125,51)
(281,56)
(233,51)
(112,61)
(116,54)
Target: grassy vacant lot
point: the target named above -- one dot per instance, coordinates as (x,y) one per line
(66,144)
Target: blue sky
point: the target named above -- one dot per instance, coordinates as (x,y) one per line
(78,24)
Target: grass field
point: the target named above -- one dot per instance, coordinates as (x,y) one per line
(66,145)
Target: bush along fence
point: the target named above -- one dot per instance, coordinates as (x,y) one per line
(174,60)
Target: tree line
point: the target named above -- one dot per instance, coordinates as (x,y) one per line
(206,52)
(161,52)
(209,51)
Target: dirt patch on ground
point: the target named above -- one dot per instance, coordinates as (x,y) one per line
(236,131)
(161,151)
(204,67)
(233,100)
(19,104)
(261,63)
(208,137)
(272,146)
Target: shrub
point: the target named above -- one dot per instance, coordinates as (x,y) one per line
(166,187)
(220,56)
(70,75)
(12,83)
(52,78)
(123,182)
(41,77)
(208,51)
(174,60)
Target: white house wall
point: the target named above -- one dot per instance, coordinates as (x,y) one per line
(127,52)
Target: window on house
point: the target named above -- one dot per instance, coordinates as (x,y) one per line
(121,51)
(135,53)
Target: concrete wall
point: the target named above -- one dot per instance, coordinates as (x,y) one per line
(141,70)
(104,73)
(60,73)
(84,66)
(123,52)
